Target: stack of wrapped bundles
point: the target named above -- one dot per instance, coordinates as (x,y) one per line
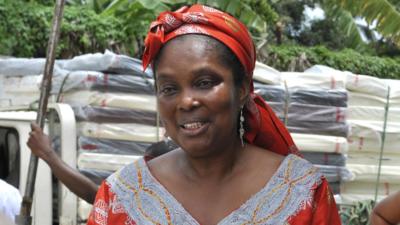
(115,108)
(374,116)
(20,80)
(313,107)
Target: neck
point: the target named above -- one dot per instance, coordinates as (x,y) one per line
(216,167)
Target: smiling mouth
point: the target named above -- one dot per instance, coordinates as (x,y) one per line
(194,128)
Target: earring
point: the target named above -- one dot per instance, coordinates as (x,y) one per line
(241,129)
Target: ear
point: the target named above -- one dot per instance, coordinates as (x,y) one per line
(244,90)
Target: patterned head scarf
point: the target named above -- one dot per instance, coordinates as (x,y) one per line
(263,128)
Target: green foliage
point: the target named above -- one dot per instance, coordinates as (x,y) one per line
(284,57)
(24,28)
(381,12)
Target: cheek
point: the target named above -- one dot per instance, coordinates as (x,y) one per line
(223,101)
(166,110)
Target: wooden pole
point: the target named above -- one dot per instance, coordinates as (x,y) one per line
(24,217)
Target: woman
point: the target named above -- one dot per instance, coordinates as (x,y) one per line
(387,212)
(234,164)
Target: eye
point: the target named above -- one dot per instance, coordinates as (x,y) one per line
(205,83)
(167,90)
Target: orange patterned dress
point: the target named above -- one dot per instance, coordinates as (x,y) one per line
(297,194)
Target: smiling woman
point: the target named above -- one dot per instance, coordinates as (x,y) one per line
(236,163)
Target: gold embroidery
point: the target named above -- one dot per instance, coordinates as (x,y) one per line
(154,195)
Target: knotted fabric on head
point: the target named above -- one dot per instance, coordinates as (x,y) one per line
(263,128)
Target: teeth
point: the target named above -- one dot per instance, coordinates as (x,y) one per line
(193,125)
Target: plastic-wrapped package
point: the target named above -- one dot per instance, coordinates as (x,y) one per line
(359,99)
(91,80)
(369,172)
(22,84)
(394,90)
(361,144)
(317,96)
(97,176)
(369,158)
(100,114)
(107,162)
(327,70)
(270,93)
(316,113)
(121,131)
(109,146)
(367,135)
(320,143)
(113,100)
(320,128)
(366,84)
(373,113)
(323,158)
(107,62)
(24,66)
(368,188)
(265,74)
(19,99)
(305,80)
(335,173)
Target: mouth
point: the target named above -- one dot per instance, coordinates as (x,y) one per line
(194,128)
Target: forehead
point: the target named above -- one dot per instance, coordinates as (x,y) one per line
(190,51)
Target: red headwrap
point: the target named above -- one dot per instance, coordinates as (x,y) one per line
(263,128)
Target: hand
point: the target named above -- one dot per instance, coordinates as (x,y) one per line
(39,143)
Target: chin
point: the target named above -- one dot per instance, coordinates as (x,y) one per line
(198,149)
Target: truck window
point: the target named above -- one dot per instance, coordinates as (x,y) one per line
(9,156)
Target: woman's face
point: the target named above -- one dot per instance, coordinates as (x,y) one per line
(197,98)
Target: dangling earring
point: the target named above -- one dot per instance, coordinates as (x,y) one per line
(241,129)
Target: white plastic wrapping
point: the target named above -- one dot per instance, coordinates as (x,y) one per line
(109,146)
(24,66)
(367,136)
(368,188)
(108,61)
(369,173)
(100,114)
(360,99)
(323,158)
(373,113)
(302,80)
(114,99)
(320,143)
(367,85)
(372,158)
(265,74)
(92,80)
(108,162)
(121,131)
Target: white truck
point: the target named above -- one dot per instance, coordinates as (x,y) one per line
(14,132)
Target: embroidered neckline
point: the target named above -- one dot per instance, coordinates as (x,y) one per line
(142,163)
(281,197)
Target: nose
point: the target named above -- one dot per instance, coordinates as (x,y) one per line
(188,101)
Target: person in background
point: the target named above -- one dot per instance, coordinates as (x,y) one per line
(387,211)
(236,162)
(82,186)
(10,203)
